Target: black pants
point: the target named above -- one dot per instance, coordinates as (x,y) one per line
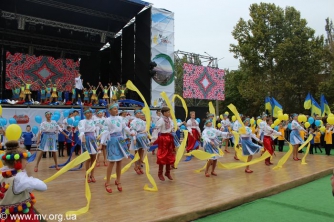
(280,145)
(77,93)
(77,149)
(311,148)
(50,154)
(28,147)
(61,148)
(317,145)
(328,148)
(68,147)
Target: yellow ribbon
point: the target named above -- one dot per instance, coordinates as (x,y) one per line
(230,166)
(212,111)
(181,149)
(242,129)
(145,109)
(203,168)
(165,97)
(184,104)
(201,155)
(149,177)
(307,151)
(237,150)
(126,167)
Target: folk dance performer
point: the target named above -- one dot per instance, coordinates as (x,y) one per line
(268,141)
(154,130)
(49,131)
(295,138)
(116,145)
(166,147)
(99,121)
(87,135)
(211,145)
(236,126)
(226,126)
(194,132)
(262,126)
(140,141)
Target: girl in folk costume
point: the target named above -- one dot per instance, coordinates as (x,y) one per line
(99,121)
(49,131)
(123,91)
(87,129)
(15,196)
(140,141)
(93,98)
(295,138)
(226,126)
(105,90)
(248,147)
(194,131)
(165,140)
(211,145)
(268,141)
(126,120)
(28,86)
(116,145)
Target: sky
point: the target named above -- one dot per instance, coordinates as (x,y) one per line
(206,25)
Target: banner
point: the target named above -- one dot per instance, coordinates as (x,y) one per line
(162,52)
(41,69)
(202,82)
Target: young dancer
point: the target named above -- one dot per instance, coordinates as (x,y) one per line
(268,142)
(194,132)
(99,121)
(295,138)
(105,90)
(28,86)
(226,125)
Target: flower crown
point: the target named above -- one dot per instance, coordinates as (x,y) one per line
(16,156)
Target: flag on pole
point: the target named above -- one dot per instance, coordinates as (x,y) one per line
(308,102)
(315,107)
(276,107)
(324,106)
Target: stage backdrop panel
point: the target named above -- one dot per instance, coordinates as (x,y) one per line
(42,69)
(202,82)
(162,48)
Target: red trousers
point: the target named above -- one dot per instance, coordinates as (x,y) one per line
(166,149)
(192,139)
(268,144)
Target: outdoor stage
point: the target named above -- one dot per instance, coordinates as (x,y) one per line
(189,196)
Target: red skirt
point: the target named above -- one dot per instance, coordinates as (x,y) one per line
(166,152)
(192,139)
(268,144)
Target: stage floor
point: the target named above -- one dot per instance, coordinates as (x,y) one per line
(189,196)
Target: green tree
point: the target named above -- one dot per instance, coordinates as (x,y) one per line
(279,56)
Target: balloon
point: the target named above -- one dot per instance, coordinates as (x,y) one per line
(179,121)
(272,126)
(321,123)
(198,120)
(55,118)
(276,128)
(38,119)
(330,115)
(221,116)
(3,121)
(69,121)
(258,121)
(300,118)
(76,123)
(227,113)
(322,129)
(311,120)
(330,120)
(252,121)
(219,125)
(66,113)
(13,132)
(12,121)
(183,127)
(281,116)
(77,118)
(35,129)
(153,125)
(277,121)
(307,125)
(304,118)
(285,117)
(317,123)
(56,113)
(279,112)
(234,118)
(289,126)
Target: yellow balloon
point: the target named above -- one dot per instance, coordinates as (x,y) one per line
(227,113)
(285,117)
(221,116)
(307,125)
(0,110)
(330,120)
(321,123)
(234,118)
(304,118)
(281,116)
(219,125)
(13,132)
(258,121)
(330,115)
(279,111)
(252,121)
(300,118)
(272,126)
(277,121)
(322,129)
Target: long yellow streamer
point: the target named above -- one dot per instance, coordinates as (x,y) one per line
(165,97)
(126,167)
(203,168)
(212,111)
(237,150)
(149,177)
(230,166)
(307,151)
(201,155)
(181,149)
(184,104)
(146,109)
(242,129)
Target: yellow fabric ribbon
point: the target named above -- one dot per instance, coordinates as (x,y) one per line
(184,104)
(149,177)
(145,109)
(230,166)
(165,97)
(212,111)
(307,151)
(242,129)
(201,155)
(203,168)
(237,150)
(181,149)
(126,167)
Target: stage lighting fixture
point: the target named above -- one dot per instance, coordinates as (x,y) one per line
(103,37)
(21,23)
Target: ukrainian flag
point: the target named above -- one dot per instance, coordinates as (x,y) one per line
(276,107)
(267,104)
(324,106)
(308,102)
(315,109)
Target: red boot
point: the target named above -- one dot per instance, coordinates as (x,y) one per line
(161,169)
(167,174)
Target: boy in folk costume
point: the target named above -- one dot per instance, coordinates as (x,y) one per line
(166,147)
(194,132)
(268,141)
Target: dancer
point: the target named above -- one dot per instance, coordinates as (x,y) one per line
(248,147)
(87,129)
(194,132)
(123,91)
(94,97)
(28,86)
(226,126)
(60,93)
(295,138)
(78,88)
(268,142)
(105,90)
(140,141)
(16,197)
(262,125)
(166,147)
(43,94)
(211,145)
(99,121)
(236,126)
(54,94)
(154,130)
(116,146)
(113,92)
(48,131)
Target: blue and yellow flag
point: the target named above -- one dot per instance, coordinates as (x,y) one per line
(324,106)
(308,102)
(276,107)
(267,104)
(315,108)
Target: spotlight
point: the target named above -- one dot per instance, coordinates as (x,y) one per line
(21,23)
(103,37)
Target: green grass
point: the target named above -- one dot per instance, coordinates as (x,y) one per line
(312,202)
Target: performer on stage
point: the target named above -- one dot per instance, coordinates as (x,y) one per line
(268,141)
(54,94)
(262,125)
(295,138)
(99,121)
(194,132)
(93,98)
(248,147)
(211,145)
(22,95)
(140,142)
(74,94)
(123,91)
(105,90)
(236,126)
(28,86)
(87,129)
(86,96)
(16,197)
(116,146)
(43,94)
(154,121)
(78,87)
(49,132)
(226,127)
(165,141)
